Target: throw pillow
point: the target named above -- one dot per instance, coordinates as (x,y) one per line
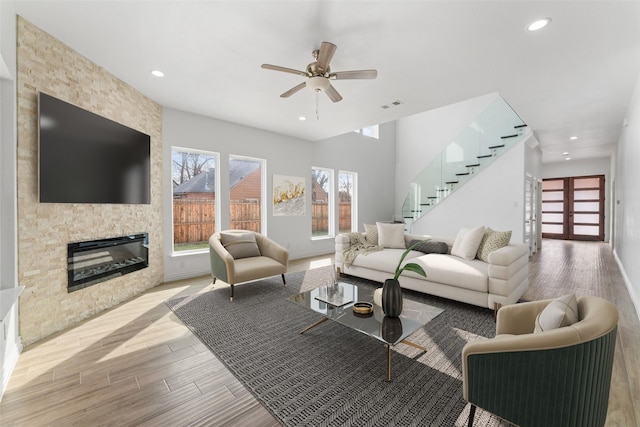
(430,247)
(391,235)
(371,234)
(560,312)
(467,242)
(492,241)
(240,244)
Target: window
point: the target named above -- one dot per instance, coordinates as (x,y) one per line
(347,202)
(322,202)
(370,131)
(246,189)
(194,177)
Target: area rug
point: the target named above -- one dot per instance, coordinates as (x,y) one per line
(332,375)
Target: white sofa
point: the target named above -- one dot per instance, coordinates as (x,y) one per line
(499,282)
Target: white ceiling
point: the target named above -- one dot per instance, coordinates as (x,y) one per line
(574,77)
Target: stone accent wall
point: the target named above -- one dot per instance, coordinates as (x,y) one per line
(46,64)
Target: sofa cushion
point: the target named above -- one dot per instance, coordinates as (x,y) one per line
(371,234)
(391,235)
(558,313)
(240,244)
(429,246)
(467,242)
(385,260)
(492,241)
(454,271)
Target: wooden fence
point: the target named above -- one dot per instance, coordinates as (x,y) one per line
(194,220)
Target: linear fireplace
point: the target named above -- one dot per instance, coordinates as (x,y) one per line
(95,261)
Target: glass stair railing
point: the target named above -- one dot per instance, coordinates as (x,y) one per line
(492,133)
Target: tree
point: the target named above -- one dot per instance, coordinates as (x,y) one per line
(186,165)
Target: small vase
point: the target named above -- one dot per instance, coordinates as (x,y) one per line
(391,298)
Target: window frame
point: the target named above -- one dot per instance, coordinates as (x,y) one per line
(354,200)
(330,203)
(263,189)
(216,190)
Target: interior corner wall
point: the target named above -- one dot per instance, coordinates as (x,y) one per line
(8,238)
(44,230)
(627,198)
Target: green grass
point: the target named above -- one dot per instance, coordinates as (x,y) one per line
(190,246)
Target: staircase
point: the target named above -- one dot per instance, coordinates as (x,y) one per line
(491,134)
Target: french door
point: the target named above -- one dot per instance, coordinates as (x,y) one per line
(573,208)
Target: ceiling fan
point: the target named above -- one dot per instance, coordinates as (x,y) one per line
(319,75)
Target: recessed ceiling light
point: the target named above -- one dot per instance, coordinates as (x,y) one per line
(573,138)
(157,73)
(567,158)
(302,118)
(565,153)
(539,24)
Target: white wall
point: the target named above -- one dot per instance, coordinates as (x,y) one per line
(8,228)
(627,198)
(419,138)
(585,167)
(371,159)
(493,198)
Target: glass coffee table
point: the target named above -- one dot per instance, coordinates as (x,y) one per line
(336,303)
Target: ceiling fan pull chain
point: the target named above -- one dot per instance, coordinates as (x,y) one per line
(317,106)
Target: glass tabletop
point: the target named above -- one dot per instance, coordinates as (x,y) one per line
(390,330)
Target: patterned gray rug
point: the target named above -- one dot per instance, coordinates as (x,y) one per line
(332,375)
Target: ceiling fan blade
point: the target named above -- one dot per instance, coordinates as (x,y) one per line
(284,69)
(293,90)
(333,94)
(326,53)
(353,75)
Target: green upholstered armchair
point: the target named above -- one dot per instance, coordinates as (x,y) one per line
(559,377)
(269,259)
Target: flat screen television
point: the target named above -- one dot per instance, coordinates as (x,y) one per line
(86,158)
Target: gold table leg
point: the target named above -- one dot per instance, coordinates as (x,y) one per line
(388,362)
(412,344)
(324,319)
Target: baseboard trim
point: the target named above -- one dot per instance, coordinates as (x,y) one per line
(635,298)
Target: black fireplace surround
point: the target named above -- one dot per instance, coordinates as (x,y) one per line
(95,261)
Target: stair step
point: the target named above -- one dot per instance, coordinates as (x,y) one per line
(474,165)
(509,136)
(493,147)
(425,204)
(484,156)
(463,173)
(452,182)
(432,197)
(441,189)
(520,126)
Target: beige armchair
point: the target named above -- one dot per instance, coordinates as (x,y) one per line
(239,256)
(559,377)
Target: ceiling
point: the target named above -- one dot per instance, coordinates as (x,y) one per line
(573,78)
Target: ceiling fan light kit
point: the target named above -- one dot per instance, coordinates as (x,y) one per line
(319,73)
(318,83)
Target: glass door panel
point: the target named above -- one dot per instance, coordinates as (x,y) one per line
(573,208)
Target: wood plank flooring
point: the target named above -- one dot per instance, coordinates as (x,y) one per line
(137,364)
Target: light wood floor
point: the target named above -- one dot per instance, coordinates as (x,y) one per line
(136,364)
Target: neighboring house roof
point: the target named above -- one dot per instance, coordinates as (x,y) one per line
(201,183)
(205,181)
(240,169)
